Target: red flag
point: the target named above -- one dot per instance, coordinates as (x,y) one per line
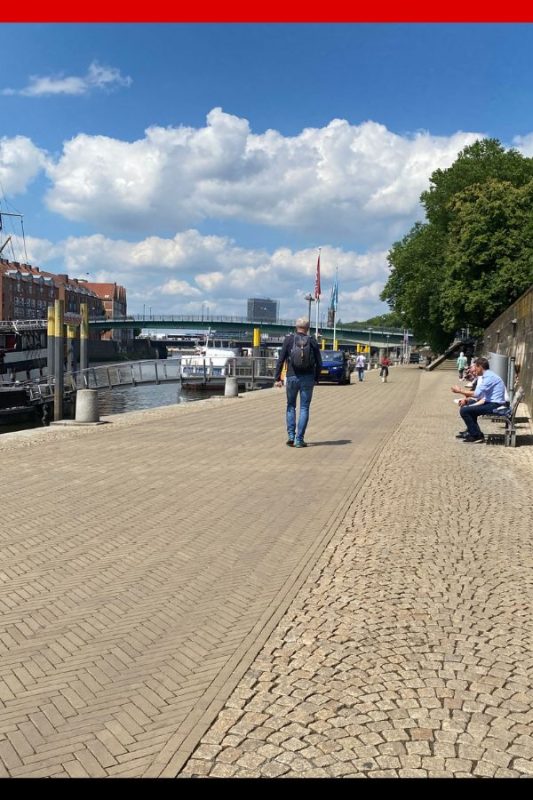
(318,291)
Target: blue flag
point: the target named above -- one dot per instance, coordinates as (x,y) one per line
(335,294)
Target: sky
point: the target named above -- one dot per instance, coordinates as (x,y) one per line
(199,165)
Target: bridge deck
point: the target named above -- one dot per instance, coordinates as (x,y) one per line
(387,568)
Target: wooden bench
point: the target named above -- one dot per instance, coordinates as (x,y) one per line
(507,416)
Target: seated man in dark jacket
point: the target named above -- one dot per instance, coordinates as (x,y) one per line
(301,353)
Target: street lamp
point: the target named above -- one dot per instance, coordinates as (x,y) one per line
(309,297)
(369,347)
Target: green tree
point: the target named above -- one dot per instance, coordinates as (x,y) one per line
(472,256)
(483,161)
(489,254)
(413,288)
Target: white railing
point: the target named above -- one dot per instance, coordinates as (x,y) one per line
(249,371)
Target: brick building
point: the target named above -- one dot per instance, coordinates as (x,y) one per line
(27,291)
(114,302)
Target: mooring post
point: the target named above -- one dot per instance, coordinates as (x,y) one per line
(59,370)
(50,343)
(84,337)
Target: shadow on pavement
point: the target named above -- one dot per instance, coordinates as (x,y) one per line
(336,441)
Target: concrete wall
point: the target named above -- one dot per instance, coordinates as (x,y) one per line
(511,334)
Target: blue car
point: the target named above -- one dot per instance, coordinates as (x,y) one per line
(336,367)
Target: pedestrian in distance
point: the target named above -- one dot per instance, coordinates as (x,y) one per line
(301,354)
(360,365)
(384,368)
(462,361)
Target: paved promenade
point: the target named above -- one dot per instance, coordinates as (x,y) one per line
(182,594)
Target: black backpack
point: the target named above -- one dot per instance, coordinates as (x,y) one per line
(302,357)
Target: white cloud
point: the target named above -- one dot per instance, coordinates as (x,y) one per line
(97,77)
(524,144)
(178,275)
(358,180)
(20,162)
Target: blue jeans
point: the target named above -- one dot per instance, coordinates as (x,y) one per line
(470,413)
(304,385)
(361,373)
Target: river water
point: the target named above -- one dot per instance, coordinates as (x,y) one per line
(132,398)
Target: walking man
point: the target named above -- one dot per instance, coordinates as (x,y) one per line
(487,396)
(301,353)
(462,361)
(360,365)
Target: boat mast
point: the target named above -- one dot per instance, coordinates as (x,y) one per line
(21,217)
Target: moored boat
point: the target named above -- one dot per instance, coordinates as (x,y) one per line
(207,368)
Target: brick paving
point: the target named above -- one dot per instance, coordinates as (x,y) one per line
(182,594)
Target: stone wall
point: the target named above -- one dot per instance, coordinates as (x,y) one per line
(511,334)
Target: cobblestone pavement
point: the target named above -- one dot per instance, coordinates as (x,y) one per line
(409,650)
(145,563)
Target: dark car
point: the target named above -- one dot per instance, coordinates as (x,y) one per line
(336,367)
(414,358)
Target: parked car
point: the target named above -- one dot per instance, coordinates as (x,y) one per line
(414,358)
(336,367)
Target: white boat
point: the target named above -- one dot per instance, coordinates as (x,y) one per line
(206,368)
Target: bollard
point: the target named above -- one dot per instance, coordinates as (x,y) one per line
(231,388)
(87,405)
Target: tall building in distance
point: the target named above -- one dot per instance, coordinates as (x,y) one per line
(262,309)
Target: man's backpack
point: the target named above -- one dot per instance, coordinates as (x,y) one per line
(302,357)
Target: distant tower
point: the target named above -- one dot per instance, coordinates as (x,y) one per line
(262,309)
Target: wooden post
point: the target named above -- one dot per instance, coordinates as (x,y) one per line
(50,343)
(84,337)
(59,370)
(71,335)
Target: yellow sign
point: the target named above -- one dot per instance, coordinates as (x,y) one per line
(363,348)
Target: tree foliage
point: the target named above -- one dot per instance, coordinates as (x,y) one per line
(473,256)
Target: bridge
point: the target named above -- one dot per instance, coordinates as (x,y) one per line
(230,326)
(238,326)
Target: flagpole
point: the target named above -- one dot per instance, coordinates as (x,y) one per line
(317,291)
(336,300)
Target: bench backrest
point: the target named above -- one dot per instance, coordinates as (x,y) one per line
(517,399)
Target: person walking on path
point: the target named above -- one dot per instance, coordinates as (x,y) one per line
(301,353)
(360,365)
(487,396)
(462,361)
(384,371)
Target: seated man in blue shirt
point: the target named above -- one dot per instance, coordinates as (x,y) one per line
(485,398)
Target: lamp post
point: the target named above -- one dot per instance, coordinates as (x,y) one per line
(369,348)
(309,297)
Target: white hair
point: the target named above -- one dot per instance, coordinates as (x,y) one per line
(302,322)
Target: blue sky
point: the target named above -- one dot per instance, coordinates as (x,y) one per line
(204,164)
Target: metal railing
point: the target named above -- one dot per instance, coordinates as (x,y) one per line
(109,376)
(248,370)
